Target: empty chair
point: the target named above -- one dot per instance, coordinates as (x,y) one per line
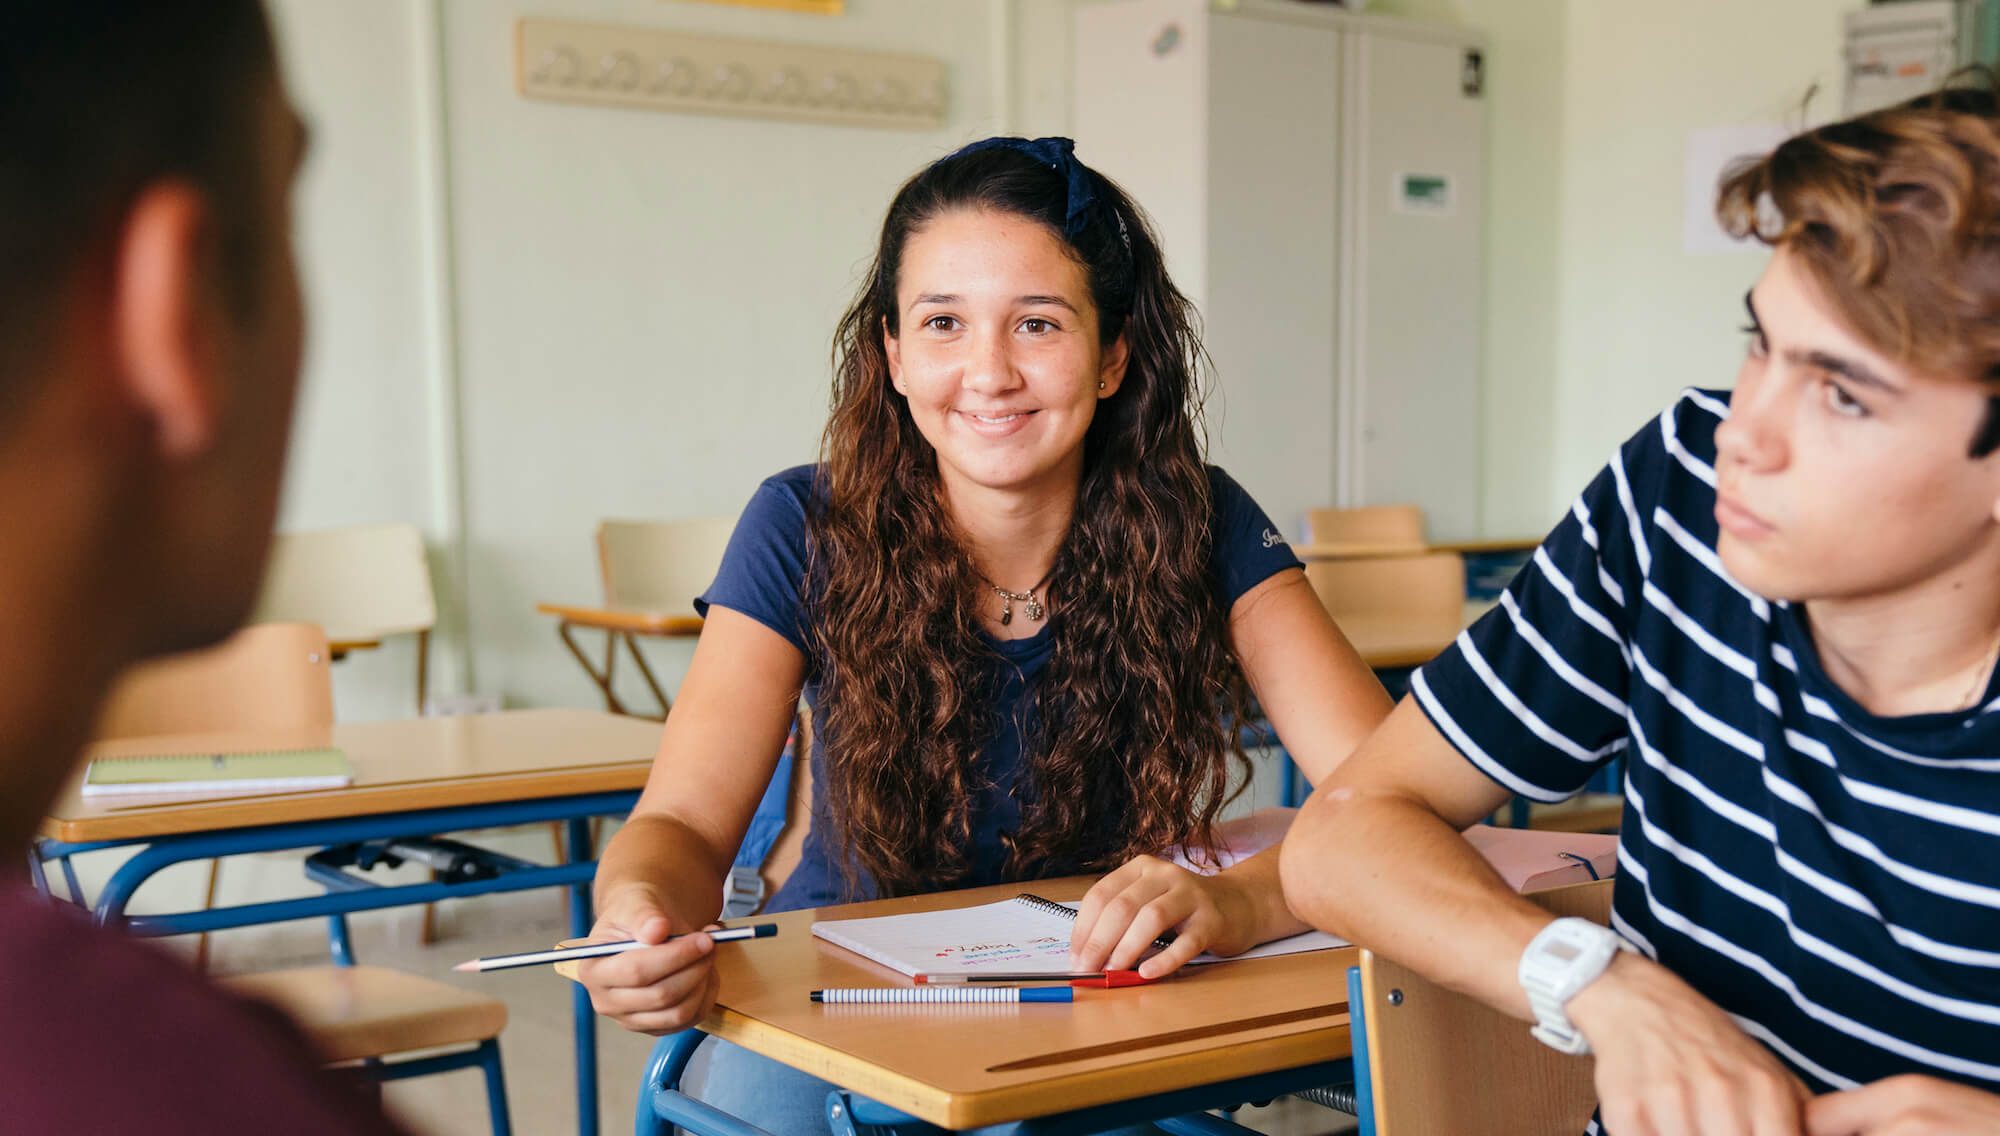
(1383,601)
(362,583)
(1403,610)
(270,684)
(660,565)
(367,1013)
(651,571)
(1370,524)
(268,679)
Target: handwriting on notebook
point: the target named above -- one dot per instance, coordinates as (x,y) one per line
(972,955)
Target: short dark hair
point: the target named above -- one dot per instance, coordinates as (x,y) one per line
(98,99)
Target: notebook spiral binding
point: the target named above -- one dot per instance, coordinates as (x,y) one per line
(1165,939)
(1048,906)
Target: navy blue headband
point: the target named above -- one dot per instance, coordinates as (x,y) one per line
(1059,154)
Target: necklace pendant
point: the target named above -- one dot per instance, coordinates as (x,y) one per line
(1007,612)
(1034,609)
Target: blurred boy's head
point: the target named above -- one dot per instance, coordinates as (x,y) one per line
(150,318)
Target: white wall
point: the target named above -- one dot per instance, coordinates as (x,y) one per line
(643,302)
(1640,317)
(1595,315)
(363,448)
(647,299)
(640,303)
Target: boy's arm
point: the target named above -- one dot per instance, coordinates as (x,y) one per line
(1375,857)
(1910,1104)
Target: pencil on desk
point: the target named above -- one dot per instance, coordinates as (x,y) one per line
(1105,979)
(599,950)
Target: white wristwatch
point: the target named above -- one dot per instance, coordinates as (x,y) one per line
(1567,956)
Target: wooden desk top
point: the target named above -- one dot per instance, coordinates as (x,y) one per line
(1355,550)
(398,766)
(1396,640)
(967,1066)
(637,621)
(1497,544)
(1351,550)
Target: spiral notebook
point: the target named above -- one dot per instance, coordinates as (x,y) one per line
(273,771)
(1024,934)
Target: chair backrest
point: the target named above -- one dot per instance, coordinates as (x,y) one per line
(1439,1061)
(790,846)
(660,565)
(266,677)
(359,583)
(1370,524)
(1425,589)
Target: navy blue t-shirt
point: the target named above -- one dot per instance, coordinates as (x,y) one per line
(763,575)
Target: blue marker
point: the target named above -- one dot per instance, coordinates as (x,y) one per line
(880,995)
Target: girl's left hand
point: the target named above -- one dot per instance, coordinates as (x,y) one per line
(1125,911)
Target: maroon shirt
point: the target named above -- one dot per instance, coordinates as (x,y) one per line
(103,1033)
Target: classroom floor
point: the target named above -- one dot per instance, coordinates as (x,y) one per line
(536,1046)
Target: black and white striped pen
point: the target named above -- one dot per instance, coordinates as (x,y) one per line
(599,950)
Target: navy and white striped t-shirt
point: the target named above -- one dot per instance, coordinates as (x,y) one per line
(1829,877)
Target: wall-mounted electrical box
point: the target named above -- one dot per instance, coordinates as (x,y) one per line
(1897,51)
(652,69)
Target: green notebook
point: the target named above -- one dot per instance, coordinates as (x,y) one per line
(276,771)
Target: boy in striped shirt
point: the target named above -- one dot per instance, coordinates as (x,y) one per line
(1781,607)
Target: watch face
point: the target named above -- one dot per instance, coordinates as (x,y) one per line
(1565,952)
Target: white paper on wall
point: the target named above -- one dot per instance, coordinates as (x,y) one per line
(1710,153)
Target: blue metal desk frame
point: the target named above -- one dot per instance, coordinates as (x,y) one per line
(1183,1112)
(348,893)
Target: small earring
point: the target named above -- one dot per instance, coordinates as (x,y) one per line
(1100,386)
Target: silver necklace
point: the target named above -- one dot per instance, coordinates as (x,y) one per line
(1030,606)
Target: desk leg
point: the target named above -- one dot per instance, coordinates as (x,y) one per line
(338,942)
(652,683)
(36,876)
(586,1018)
(603,678)
(69,878)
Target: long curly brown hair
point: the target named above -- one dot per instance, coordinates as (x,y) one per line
(1130,745)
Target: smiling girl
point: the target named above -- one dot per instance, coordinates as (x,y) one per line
(1024,612)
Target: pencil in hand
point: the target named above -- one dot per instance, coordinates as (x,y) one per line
(600,950)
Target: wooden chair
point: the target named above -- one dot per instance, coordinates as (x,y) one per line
(654,566)
(1437,1061)
(275,677)
(363,583)
(266,678)
(1398,610)
(1369,524)
(784,855)
(363,1014)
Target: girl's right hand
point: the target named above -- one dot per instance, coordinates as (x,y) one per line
(653,990)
